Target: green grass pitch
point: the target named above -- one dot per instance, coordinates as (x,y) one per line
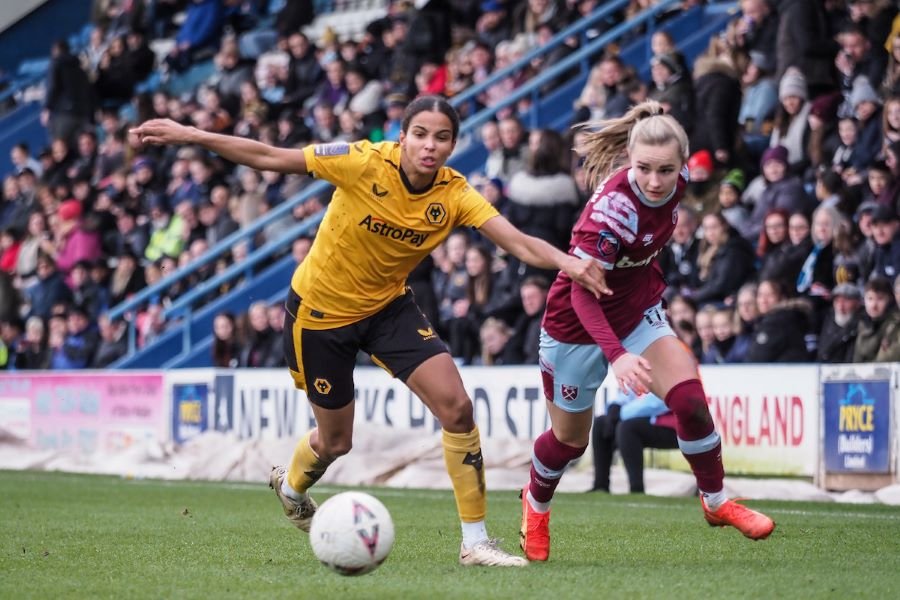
(74,536)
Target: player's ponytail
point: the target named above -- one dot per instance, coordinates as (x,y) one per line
(606,143)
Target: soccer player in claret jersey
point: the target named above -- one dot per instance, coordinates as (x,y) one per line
(393,204)
(636,165)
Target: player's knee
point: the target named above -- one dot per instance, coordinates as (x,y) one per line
(334,447)
(455,413)
(688,401)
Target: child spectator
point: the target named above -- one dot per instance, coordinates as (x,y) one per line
(702,193)
(730,189)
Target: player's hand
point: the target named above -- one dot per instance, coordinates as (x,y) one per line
(633,373)
(589,274)
(162,131)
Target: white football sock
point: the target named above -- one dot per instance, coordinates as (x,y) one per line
(473,533)
(540,507)
(714,499)
(290,492)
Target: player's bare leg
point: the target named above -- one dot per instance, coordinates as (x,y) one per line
(438,384)
(676,379)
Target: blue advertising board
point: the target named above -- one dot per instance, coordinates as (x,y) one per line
(189,410)
(857,426)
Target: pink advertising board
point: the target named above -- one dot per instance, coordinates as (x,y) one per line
(86,413)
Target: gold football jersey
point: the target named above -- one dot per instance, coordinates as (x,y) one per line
(375,231)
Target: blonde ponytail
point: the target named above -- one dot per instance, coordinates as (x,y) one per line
(606,143)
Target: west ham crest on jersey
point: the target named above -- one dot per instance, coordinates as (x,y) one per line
(569,393)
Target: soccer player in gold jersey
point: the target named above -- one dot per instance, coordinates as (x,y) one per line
(394,203)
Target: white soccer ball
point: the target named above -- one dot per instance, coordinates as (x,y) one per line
(352,533)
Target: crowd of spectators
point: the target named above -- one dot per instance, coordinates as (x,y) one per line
(787,246)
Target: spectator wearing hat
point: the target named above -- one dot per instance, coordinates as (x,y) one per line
(758,102)
(878,339)
(672,87)
(779,189)
(822,121)
(717,93)
(730,189)
(791,119)
(73,241)
(838,335)
(867,110)
(886,235)
(702,192)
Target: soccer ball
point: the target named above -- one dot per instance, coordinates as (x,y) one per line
(352,533)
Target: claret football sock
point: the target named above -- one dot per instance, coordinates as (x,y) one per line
(549,461)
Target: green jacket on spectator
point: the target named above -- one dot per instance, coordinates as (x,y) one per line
(878,341)
(167,241)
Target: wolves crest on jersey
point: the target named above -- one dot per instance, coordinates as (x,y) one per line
(618,212)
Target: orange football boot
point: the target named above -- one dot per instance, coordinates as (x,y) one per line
(751,523)
(534,536)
